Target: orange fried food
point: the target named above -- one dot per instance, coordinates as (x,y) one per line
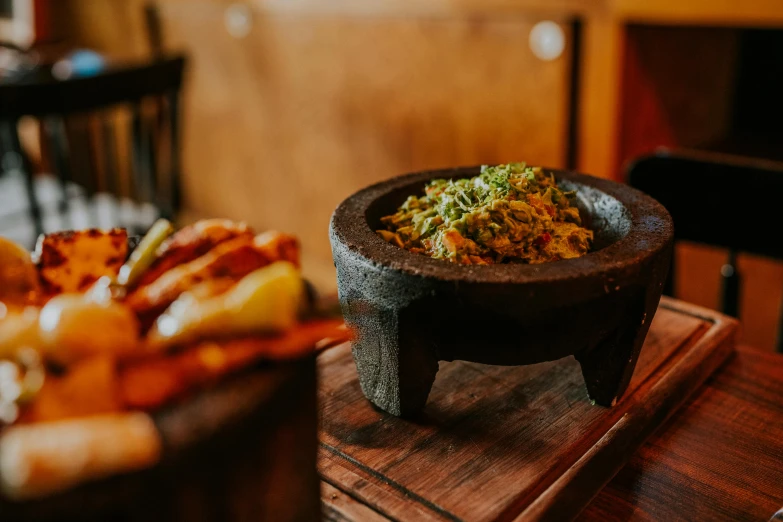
(154,382)
(89,388)
(232,259)
(71,261)
(72,327)
(191,242)
(44,458)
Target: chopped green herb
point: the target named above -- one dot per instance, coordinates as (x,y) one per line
(508,213)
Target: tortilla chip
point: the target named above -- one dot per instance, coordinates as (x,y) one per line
(71,261)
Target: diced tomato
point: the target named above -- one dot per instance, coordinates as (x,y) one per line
(452,240)
(550,210)
(543,239)
(534,200)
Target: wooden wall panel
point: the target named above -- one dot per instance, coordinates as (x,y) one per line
(735,13)
(698,281)
(677,88)
(282,124)
(599,95)
(114,27)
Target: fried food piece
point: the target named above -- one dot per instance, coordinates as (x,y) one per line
(18,329)
(145,252)
(90,387)
(267,300)
(212,288)
(71,261)
(39,459)
(191,242)
(231,259)
(277,246)
(18,275)
(73,327)
(153,382)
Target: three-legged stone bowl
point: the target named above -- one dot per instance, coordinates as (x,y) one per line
(411,311)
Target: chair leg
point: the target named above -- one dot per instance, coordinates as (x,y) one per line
(10,128)
(668,285)
(35,209)
(142,175)
(55,131)
(175,197)
(779,341)
(730,287)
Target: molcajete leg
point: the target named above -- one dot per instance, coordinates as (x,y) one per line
(396,368)
(607,367)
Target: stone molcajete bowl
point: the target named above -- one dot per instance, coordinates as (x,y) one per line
(411,311)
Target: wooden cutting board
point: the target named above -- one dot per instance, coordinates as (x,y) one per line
(504,443)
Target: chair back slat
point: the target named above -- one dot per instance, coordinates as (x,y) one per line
(109,142)
(173,113)
(720,201)
(82,142)
(54,130)
(143,179)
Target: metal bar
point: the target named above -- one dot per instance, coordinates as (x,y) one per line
(668,286)
(730,288)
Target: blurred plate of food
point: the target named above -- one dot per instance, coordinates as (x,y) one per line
(118,357)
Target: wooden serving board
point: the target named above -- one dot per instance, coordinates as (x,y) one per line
(504,443)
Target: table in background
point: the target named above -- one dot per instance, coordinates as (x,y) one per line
(719,458)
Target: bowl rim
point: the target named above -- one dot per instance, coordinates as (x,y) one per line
(651,231)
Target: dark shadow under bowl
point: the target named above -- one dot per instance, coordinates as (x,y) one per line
(411,311)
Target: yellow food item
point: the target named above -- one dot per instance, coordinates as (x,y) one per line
(232,259)
(18,330)
(71,261)
(145,253)
(72,327)
(46,457)
(18,276)
(155,381)
(265,301)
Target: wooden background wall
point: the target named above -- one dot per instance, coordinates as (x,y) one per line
(320,99)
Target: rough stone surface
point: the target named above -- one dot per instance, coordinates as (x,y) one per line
(411,311)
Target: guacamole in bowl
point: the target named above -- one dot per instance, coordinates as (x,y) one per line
(507,214)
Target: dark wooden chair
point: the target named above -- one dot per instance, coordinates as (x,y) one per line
(149,92)
(717,200)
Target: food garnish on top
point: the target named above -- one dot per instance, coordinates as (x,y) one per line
(92,340)
(507,214)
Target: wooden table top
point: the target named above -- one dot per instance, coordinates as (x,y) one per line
(718,458)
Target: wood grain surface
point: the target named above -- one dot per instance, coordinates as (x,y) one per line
(716,459)
(503,443)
